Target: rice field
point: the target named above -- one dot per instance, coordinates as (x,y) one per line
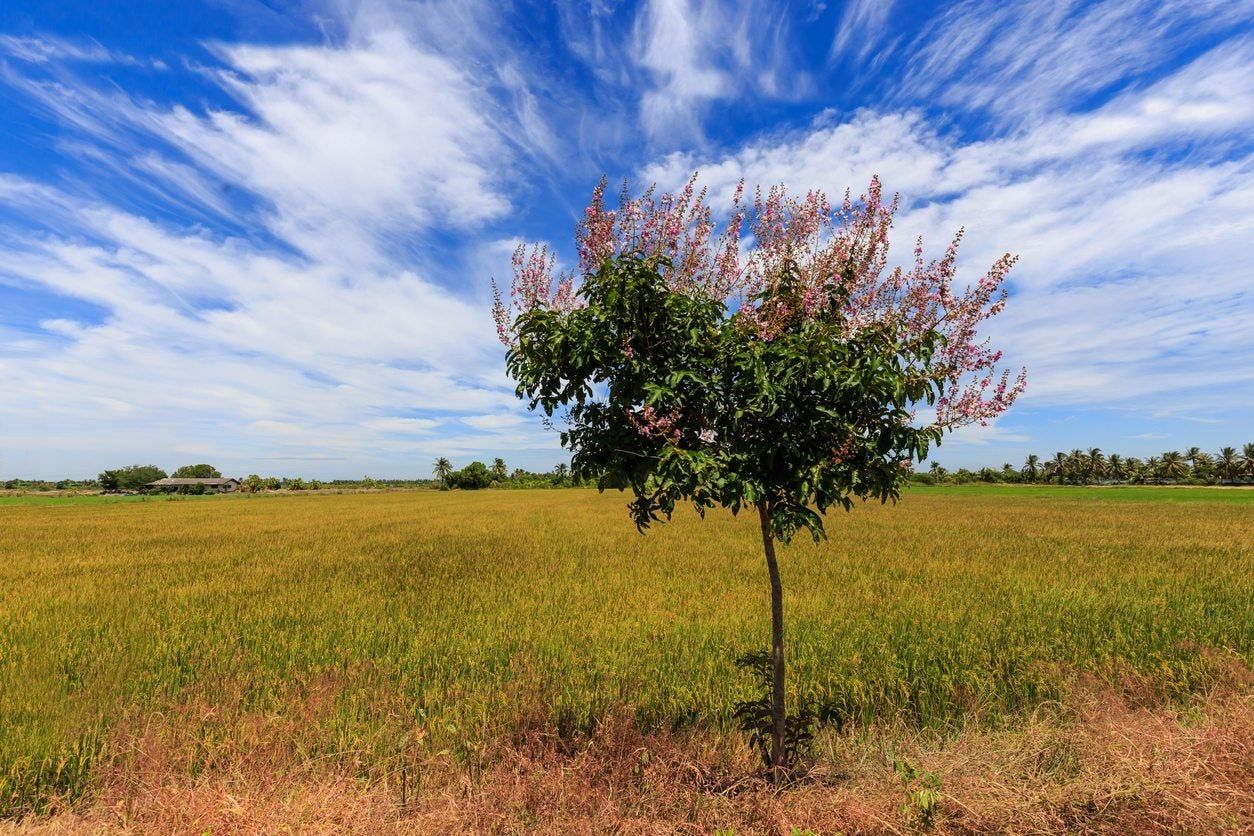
(407,624)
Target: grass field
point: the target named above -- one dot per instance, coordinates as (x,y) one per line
(388,628)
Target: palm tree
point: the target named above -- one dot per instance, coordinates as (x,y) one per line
(1152,466)
(1136,469)
(1077,466)
(1032,467)
(1228,464)
(1097,463)
(498,469)
(938,472)
(1058,466)
(1173,466)
(443,470)
(1116,467)
(1247,460)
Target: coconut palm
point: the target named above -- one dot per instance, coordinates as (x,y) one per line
(938,472)
(442,470)
(1096,463)
(498,469)
(1135,468)
(1032,467)
(1077,466)
(1201,463)
(1228,464)
(1116,467)
(1247,460)
(1058,467)
(1152,468)
(1173,466)
(1193,454)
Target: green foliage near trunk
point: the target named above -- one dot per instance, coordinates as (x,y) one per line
(667,394)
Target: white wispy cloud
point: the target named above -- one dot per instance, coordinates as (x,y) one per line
(862,25)
(248,350)
(493,422)
(302,340)
(379,138)
(699,51)
(676,40)
(1135,285)
(46,49)
(1026,59)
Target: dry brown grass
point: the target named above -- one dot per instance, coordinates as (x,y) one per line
(1095,763)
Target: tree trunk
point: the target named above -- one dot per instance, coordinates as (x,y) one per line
(777,645)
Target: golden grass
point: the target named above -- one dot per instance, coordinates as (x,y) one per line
(337,641)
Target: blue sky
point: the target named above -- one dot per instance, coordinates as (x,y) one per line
(260,233)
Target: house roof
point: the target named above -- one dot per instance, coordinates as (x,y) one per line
(187,483)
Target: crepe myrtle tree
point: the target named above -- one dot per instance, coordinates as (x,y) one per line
(783,373)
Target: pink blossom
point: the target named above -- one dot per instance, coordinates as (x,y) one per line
(837,258)
(649,423)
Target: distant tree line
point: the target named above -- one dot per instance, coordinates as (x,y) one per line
(477,475)
(1093,467)
(136,477)
(49,484)
(260,484)
(1228,466)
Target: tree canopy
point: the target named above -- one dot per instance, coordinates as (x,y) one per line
(684,369)
(197,471)
(472,477)
(130,478)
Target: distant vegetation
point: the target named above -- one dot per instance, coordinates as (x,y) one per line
(25,485)
(130,478)
(197,471)
(1094,467)
(477,475)
(1228,466)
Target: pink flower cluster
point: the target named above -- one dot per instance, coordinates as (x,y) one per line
(838,262)
(677,228)
(533,285)
(835,260)
(650,423)
(841,453)
(674,229)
